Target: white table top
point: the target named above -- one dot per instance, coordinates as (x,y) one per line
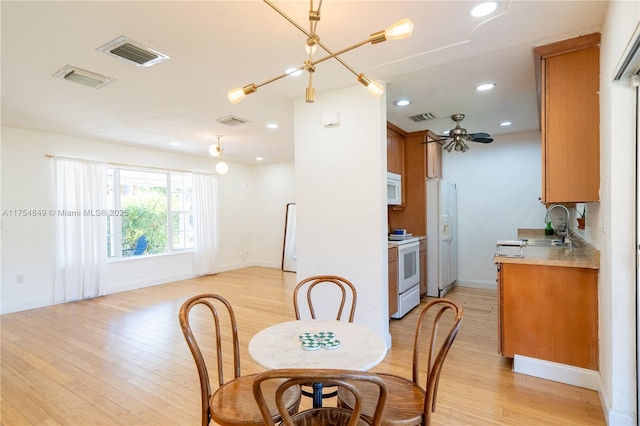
(278,346)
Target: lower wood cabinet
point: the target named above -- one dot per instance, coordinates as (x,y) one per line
(393,280)
(549,313)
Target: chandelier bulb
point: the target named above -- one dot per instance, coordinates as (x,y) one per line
(215,150)
(373,87)
(236,95)
(401,29)
(222,167)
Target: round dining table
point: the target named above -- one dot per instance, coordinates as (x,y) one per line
(352,347)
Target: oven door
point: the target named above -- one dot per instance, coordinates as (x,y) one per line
(408,266)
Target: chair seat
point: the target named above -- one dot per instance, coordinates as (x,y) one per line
(404,401)
(227,408)
(327,416)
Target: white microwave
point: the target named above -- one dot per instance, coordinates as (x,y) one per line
(394,189)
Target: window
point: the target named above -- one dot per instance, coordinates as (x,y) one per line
(152,212)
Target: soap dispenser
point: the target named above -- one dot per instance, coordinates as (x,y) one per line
(548,230)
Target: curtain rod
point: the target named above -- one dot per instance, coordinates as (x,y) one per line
(127,165)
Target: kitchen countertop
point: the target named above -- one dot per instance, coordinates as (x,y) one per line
(581,255)
(395,243)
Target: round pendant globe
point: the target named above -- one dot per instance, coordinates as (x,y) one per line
(222,167)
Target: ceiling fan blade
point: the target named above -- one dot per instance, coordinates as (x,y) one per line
(479,135)
(436,140)
(482,140)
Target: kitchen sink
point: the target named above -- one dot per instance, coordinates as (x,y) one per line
(544,242)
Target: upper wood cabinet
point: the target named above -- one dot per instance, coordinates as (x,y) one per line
(570,119)
(395,150)
(434,158)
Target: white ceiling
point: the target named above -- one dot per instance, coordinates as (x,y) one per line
(219,45)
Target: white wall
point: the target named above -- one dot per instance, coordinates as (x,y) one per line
(340,191)
(274,187)
(247,238)
(498,189)
(612,225)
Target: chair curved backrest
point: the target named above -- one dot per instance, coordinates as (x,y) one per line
(347,291)
(444,328)
(222,314)
(346,379)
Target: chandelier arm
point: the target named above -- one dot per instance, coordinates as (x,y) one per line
(340,52)
(337,58)
(285,16)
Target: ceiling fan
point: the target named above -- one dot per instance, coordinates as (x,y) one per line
(457,136)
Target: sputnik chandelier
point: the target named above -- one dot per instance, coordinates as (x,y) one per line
(399,30)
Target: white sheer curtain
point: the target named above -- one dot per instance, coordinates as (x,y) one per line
(204,223)
(81,229)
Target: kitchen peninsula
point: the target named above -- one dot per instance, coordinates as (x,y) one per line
(548,301)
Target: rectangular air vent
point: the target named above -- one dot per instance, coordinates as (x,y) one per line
(78,75)
(423,117)
(133,52)
(231,120)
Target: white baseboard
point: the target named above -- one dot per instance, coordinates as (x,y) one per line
(562,373)
(484,285)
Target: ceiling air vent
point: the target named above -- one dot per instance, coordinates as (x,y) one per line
(78,75)
(231,120)
(423,117)
(133,52)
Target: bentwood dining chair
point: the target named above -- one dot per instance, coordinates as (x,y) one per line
(409,403)
(232,403)
(334,289)
(348,380)
(346,295)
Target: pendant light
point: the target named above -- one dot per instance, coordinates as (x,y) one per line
(216,151)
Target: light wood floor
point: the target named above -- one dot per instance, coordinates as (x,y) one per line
(122,360)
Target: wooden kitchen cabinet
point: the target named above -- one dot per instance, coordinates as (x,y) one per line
(413,216)
(395,149)
(423,267)
(570,119)
(434,158)
(548,313)
(393,280)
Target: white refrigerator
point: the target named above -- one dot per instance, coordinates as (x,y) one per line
(442,246)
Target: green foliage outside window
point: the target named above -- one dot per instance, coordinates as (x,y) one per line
(146,213)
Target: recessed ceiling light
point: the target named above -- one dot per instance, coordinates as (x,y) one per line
(506,123)
(174,143)
(484,9)
(485,86)
(259,158)
(272,125)
(293,71)
(402,102)
(446,132)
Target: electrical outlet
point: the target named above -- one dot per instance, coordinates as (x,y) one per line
(20,279)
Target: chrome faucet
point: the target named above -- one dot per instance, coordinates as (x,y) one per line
(565,230)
